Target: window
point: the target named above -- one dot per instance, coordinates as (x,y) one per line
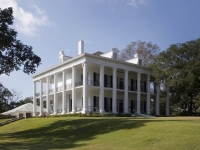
(115,56)
(140,62)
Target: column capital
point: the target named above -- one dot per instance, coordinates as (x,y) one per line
(84,64)
(125,70)
(55,73)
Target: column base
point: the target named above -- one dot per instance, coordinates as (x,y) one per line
(34,115)
(115,112)
(85,112)
(73,111)
(55,113)
(63,113)
(102,112)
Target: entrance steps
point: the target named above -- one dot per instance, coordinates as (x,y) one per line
(10,121)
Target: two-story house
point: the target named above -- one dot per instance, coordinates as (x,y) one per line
(96,82)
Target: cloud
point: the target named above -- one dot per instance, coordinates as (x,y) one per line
(26,22)
(136,3)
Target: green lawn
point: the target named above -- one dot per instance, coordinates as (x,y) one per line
(102,133)
(2,120)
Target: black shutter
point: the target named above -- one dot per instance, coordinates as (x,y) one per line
(117,82)
(94,78)
(105,104)
(131,84)
(136,84)
(144,106)
(111,104)
(94,100)
(105,80)
(111,81)
(145,86)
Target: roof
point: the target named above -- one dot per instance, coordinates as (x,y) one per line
(28,107)
(88,55)
(98,53)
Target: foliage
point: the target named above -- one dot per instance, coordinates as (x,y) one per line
(5,97)
(14,54)
(146,49)
(180,64)
(10,99)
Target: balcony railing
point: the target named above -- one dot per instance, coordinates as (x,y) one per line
(68,86)
(51,91)
(93,83)
(108,85)
(144,90)
(80,83)
(108,109)
(59,89)
(43,92)
(119,86)
(131,88)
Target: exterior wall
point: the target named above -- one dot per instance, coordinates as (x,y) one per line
(93,65)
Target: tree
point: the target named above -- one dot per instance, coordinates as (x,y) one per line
(180,64)
(147,49)
(5,96)
(14,54)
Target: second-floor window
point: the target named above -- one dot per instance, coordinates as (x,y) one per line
(140,62)
(96,79)
(107,80)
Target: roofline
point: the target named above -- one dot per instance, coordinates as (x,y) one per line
(91,55)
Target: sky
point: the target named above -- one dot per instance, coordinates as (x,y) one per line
(50,26)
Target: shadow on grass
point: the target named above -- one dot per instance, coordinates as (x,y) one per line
(69,133)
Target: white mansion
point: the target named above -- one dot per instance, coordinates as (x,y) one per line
(96,82)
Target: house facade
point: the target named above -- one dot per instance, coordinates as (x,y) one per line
(96,82)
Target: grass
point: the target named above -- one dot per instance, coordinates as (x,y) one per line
(102,133)
(2,120)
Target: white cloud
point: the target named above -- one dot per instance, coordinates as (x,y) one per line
(136,3)
(26,22)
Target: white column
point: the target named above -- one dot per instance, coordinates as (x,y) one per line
(138,93)
(167,100)
(148,95)
(64,93)
(41,100)
(101,93)
(55,94)
(126,91)
(158,100)
(85,89)
(34,99)
(114,92)
(73,90)
(47,95)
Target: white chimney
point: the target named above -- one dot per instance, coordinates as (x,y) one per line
(80,47)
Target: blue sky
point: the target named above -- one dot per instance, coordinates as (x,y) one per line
(50,26)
